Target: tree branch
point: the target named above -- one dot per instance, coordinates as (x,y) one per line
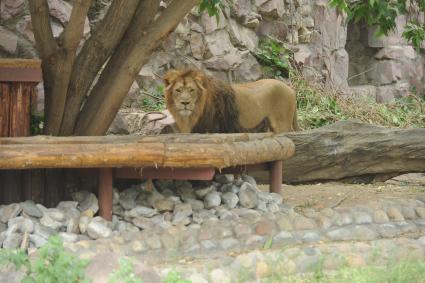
(40,19)
(75,28)
(93,55)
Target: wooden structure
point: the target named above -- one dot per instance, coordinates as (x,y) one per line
(18,78)
(180,156)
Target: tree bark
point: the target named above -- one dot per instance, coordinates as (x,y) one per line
(92,57)
(349,149)
(57,56)
(119,74)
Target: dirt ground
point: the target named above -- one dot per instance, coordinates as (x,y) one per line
(334,194)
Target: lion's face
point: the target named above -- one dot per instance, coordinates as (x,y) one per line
(186,95)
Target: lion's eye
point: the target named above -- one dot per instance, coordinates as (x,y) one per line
(192,90)
(179,90)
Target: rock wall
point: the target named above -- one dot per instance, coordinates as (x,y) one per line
(382,68)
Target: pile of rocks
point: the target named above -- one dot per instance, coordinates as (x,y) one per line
(171,203)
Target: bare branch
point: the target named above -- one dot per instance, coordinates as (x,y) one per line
(75,28)
(40,18)
(94,53)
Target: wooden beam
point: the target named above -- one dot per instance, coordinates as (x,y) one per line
(165,173)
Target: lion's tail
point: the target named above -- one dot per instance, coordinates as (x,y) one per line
(295,126)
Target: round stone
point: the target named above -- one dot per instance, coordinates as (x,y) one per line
(230,199)
(380,216)
(202,192)
(264,228)
(408,212)
(229,243)
(304,223)
(197,278)
(212,200)
(141,211)
(220,276)
(262,269)
(420,211)
(9,211)
(224,178)
(284,223)
(196,204)
(31,209)
(248,196)
(98,229)
(395,214)
(20,224)
(242,229)
(143,222)
(362,217)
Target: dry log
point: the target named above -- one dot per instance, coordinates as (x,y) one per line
(218,151)
(349,149)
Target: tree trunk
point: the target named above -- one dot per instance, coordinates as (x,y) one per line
(117,77)
(349,149)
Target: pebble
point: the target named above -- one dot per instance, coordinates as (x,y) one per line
(86,200)
(304,223)
(361,217)
(12,241)
(394,214)
(224,178)
(164,205)
(20,224)
(230,199)
(68,237)
(142,211)
(212,200)
(380,216)
(420,211)
(37,240)
(408,212)
(202,192)
(9,211)
(248,196)
(98,229)
(265,228)
(48,221)
(220,276)
(31,209)
(143,222)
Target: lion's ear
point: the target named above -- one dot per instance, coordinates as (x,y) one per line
(170,77)
(200,80)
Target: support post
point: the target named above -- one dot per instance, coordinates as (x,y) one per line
(105,193)
(275,180)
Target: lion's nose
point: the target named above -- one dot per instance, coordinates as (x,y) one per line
(185,103)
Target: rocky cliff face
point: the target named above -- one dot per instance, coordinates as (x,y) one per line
(350,58)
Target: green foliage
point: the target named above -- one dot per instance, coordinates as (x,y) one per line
(125,273)
(212,7)
(154,100)
(319,106)
(175,277)
(383,13)
(52,264)
(274,56)
(36,124)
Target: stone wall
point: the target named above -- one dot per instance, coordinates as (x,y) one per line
(382,68)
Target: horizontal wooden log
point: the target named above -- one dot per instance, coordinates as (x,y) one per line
(20,70)
(218,151)
(349,149)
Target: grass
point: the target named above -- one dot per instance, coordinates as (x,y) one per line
(401,272)
(319,106)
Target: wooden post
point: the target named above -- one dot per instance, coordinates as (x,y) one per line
(276,176)
(105,193)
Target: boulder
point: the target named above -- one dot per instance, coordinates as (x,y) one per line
(242,37)
(8,41)
(270,8)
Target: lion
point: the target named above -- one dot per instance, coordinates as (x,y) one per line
(202,104)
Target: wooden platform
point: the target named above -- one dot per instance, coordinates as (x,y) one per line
(178,156)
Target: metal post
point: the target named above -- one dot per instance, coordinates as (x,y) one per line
(105,193)
(276,176)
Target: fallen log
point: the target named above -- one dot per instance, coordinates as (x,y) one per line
(350,149)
